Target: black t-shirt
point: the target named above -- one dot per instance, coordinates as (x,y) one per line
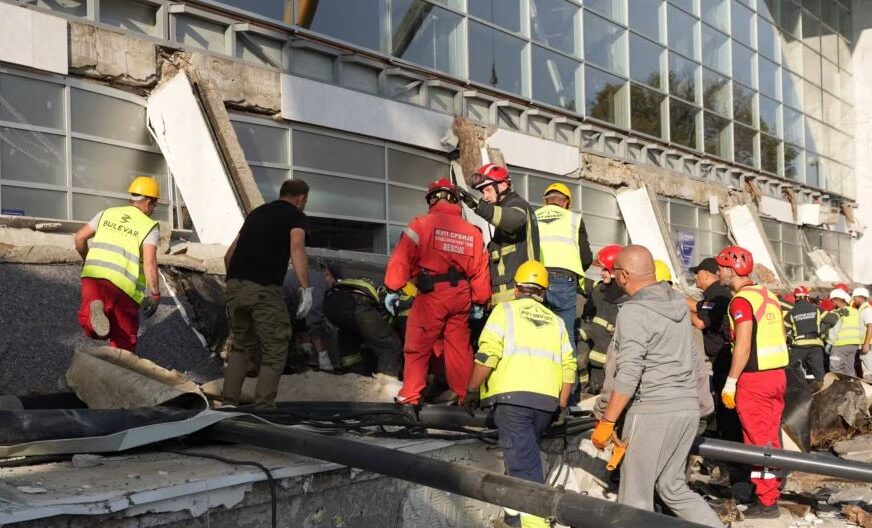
(712,310)
(264,245)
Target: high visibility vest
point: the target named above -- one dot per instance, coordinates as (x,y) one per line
(359,285)
(529,349)
(804,324)
(850,333)
(769,348)
(558,238)
(115,252)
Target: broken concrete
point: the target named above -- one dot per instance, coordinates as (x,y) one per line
(839,410)
(109,56)
(319,386)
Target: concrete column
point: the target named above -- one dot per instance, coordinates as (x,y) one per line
(862,128)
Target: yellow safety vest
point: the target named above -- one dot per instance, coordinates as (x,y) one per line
(558,238)
(115,252)
(769,342)
(850,333)
(528,348)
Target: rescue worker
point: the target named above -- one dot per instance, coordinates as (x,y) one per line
(804,329)
(655,376)
(525,369)
(848,334)
(354,307)
(861,302)
(598,326)
(444,256)
(272,235)
(757,383)
(120,273)
(516,236)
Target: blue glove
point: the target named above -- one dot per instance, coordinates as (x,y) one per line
(391,301)
(477,312)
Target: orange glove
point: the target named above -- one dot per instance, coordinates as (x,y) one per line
(602,435)
(728,394)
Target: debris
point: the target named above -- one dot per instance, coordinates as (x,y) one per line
(858,515)
(31,489)
(48,226)
(839,410)
(797,510)
(856,495)
(728,512)
(163,473)
(84,461)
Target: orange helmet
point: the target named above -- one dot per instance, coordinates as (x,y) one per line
(801,291)
(737,258)
(606,257)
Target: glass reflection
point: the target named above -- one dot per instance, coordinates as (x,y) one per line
(743,140)
(769,116)
(682,77)
(426,35)
(682,123)
(505,13)
(716,134)
(743,18)
(743,64)
(495,58)
(715,50)
(682,31)
(645,106)
(793,162)
(645,17)
(715,12)
(552,22)
(767,39)
(603,95)
(554,78)
(356,22)
(645,59)
(743,104)
(768,154)
(605,44)
(716,92)
(768,77)
(613,9)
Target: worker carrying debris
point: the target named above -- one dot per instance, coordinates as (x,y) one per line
(804,330)
(516,237)
(525,369)
(757,382)
(444,256)
(119,246)
(848,334)
(861,302)
(655,377)
(257,262)
(598,320)
(367,342)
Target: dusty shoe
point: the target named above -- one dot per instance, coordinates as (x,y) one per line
(324,362)
(758,511)
(99,321)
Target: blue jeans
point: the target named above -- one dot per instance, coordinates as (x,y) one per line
(560,297)
(520,429)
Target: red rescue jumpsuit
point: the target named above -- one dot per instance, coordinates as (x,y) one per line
(435,242)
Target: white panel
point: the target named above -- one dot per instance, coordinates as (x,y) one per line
(642,225)
(777,209)
(824,268)
(183,135)
(331,106)
(33,39)
(535,153)
(862,144)
(808,214)
(748,232)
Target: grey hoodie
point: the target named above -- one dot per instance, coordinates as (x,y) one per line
(654,351)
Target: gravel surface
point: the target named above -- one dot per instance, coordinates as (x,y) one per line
(39,330)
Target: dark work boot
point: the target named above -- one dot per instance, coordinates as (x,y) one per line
(758,511)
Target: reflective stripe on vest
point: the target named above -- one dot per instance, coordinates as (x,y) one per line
(597,358)
(769,339)
(359,285)
(114,254)
(805,325)
(558,238)
(850,332)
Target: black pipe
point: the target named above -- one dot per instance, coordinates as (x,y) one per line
(778,458)
(566,507)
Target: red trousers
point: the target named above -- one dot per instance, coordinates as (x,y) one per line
(120,309)
(438,320)
(760,403)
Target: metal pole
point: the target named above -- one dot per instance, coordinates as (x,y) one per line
(566,507)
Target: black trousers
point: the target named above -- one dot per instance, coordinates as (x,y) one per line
(811,358)
(367,343)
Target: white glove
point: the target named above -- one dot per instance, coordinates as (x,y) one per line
(391,301)
(305,303)
(728,394)
(477,312)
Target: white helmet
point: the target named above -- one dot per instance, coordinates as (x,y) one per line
(839,293)
(860,292)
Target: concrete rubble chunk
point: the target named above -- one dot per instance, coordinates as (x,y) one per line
(106,55)
(857,495)
(858,516)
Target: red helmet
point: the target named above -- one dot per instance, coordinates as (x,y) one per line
(801,291)
(442,189)
(842,286)
(606,257)
(491,173)
(737,258)
(827,305)
(789,298)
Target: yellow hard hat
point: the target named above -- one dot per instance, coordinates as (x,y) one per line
(559,187)
(661,271)
(533,273)
(145,186)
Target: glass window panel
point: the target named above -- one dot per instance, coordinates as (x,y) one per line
(715,12)
(683,77)
(70,7)
(88,115)
(256,48)
(811,66)
(813,170)
(505,13)
(645,17)
(846,82)
(603,95)
(495,58)
(686,5)
(645,61)
(813,101)
(406,204)
(200,33)
(262,143)
(348,235)
(769,116)
(830,45)
(811,31)
(645,110)
(613,9)
(813,135)
(404,167)
(275,9)
(331,195)
(769,153)
(599,202)
(426,35)
(682,123)
(769,75)
(34,202)
(717,135)
(844,53)
(743,138)
(791,18)
(356,22)
(322,152)
(832,110)
(682,32)
(744,64)
(830,74)
(715,49)
(791,54)
(767,39)
(605,44)
(814,6)
(743,23)
(792,88)
(85,206)
(603,231)
(269,181)
(554,79)
(846,23)
(682,215)
(716,92)
(31,102)
(552,22)
(109,168)
(139,17)
(793,163)
(32,157)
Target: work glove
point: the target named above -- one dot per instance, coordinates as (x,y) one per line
(472,401)
(477,312)
(602,435)
(305,303)
(728,394)
(392,299)
(468,198)
(150,304)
